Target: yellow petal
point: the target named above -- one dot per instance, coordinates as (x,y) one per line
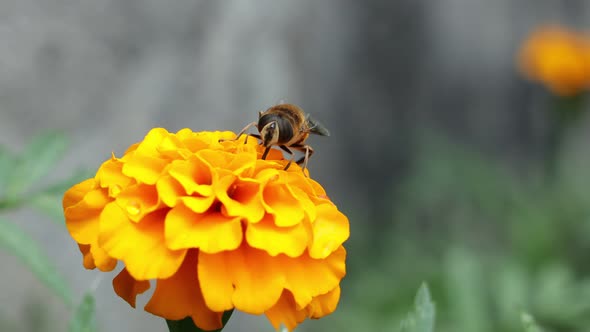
(171,148)
(314,190)
(324,304)
(284,312)
(94,256)
(151,142)
(280,202)
(110,175)
(102,260)
(196,141)
(139,200)
(211,232)
(194,175)
(82,217)
(330,230)
(237,163)
(307,277)
(77,192)
(169,190)
(243,199)
(87,259)
(265,235)
(306,203)
(191,141)
(144,168)
(180,296)
(198,204)
(246,278)
(128,288)
(141,246)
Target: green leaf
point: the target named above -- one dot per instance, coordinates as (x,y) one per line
(467,290)
(528,323)
(48,205)
(48,201)
(424,314)
(510,288)
(187,325)
(7,165)
(36,161)
(84,319)
(16,242)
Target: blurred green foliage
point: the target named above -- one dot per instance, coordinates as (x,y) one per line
(26,182)
(497,243)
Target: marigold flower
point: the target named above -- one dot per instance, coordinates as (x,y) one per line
(216,227)
(558,58)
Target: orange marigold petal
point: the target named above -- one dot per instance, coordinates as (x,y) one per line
(196,141)
(323,305)
(284,312)
(82,217)
(198,204)
(180,296)
(314,190)
(94,256)
(306,203)
(151,142)
(244,199)
(265,235)
(138,200)
(280,202)
(330,230)
(308,277)
(87,259)
(84,231)
(211,232)
(102,260)
(194,175)
(141,246)
(169,190)
(77,192)
(128,288)
(144,168)
(228,279)
(216,281)
(172,148)
(110,175)
(240,163)
(267,170)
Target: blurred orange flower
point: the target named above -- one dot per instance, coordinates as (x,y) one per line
(216,227)
(558,58)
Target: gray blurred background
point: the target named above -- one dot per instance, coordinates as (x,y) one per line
(373,72)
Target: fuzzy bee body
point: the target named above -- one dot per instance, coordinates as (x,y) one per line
(286,126)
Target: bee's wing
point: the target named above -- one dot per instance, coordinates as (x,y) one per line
(315,127)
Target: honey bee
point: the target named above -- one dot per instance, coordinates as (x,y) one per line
(286,126)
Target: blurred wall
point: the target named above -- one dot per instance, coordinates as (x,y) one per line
(373,72)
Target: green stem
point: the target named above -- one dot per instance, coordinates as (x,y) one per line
(565,112)
(6,204)
(187,325)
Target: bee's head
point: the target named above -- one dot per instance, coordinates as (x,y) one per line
(269,133)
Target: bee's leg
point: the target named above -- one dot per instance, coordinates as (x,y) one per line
(240,133)
(286,149)
(265,152)
(308,152)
